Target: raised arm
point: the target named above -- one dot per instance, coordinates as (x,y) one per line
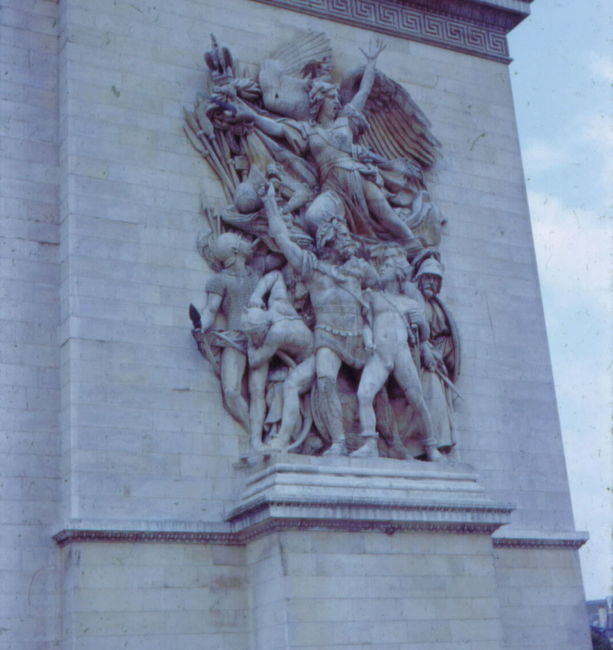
(359,100)
(270,126)
(278,229)
(264,285)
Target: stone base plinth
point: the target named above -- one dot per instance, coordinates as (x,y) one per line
(289,491)
(351,552)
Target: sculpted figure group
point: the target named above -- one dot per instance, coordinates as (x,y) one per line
(323,319)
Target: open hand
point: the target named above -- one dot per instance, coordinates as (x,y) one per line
(240,114)
(374,49)
(427,358)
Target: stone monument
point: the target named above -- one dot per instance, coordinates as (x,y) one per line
(355,444)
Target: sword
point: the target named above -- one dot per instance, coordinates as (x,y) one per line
(448,382)
(200,338)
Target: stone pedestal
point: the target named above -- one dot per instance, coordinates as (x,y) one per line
(412,589)
(355,494)
(369,552)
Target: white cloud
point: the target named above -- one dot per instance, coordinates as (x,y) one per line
(540,156)
(597,129)
(575,258)
(601,66)
(574,248)
(579,157)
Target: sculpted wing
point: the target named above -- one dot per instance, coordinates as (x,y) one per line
(286,75)
(309,54)
(398,128)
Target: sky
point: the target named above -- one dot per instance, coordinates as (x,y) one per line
(562,77)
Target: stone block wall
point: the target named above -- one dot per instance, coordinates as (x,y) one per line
(412,591)
(322,589)
(143,429)
(299,590)
(154,596)
(541,598)
(143,425)
(109,414)
(29,320)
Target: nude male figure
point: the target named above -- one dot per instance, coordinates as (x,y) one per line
(228,292)
(274,327)
(392,313)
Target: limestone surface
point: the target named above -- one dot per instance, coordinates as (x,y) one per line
(127,519)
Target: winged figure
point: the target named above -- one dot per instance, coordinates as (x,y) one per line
(361,148)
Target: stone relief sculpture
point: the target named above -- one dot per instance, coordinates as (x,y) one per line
(276,328)
(398,321)
(322,319)
(440,354)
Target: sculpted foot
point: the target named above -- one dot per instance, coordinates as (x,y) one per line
(272,447)
(336,449)
(367,450)
(276,445)
(433,454)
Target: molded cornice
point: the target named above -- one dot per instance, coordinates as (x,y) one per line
(476,27)
(574,539)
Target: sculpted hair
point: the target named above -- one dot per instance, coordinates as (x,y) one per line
(317,94)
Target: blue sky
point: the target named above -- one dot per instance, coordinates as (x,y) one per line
(562,82)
